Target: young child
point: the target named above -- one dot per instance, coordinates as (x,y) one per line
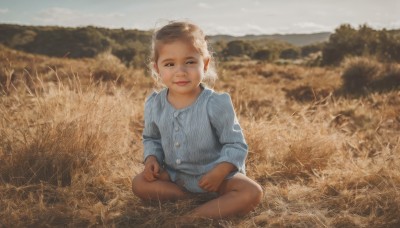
(192,140)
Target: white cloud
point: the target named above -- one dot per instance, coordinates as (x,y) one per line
(55,15)
(213,29)
(254,29)
(310,27)
(69,17)
(380,25)
(237,30)
(4,11)
(394,24)
(203,5)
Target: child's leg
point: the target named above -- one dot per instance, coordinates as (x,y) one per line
(238,196)
(161,189)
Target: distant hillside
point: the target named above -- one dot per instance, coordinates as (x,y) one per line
(294,39)
(31,38)
(131,46)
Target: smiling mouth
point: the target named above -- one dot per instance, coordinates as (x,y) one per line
(182,83)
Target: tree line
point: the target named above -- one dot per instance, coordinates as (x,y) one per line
(132,46)
(384,45)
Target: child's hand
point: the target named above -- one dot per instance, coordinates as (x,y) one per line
(151,169)
(211,181)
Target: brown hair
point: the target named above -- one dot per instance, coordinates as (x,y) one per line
(186,31)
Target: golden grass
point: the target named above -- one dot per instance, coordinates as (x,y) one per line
(70,145)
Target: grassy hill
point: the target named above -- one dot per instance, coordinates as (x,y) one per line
(70,142)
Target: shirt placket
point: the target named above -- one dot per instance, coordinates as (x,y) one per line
(178,137)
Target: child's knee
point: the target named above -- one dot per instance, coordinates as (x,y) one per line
(137,182)
(258,193)
(254,194)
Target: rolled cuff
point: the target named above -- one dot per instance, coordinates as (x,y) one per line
(154,150)
(235,156)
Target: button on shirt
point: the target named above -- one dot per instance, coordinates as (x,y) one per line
(189,142)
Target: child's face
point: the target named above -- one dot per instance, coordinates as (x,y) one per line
(181,67)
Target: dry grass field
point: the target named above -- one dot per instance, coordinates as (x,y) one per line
(70,141)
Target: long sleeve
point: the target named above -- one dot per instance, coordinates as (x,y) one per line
(151,134)
(228,131)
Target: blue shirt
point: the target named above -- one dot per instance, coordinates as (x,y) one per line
(189,142)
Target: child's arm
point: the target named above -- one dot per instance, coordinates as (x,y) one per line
(151,135)
(211,181)
(223,118)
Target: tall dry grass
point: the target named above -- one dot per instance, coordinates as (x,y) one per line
(70,145)
(65,153)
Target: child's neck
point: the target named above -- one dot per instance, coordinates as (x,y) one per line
(183,100)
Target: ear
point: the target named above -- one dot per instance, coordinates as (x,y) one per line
(206,63)
(155,66)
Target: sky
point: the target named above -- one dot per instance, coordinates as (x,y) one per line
(232,17)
